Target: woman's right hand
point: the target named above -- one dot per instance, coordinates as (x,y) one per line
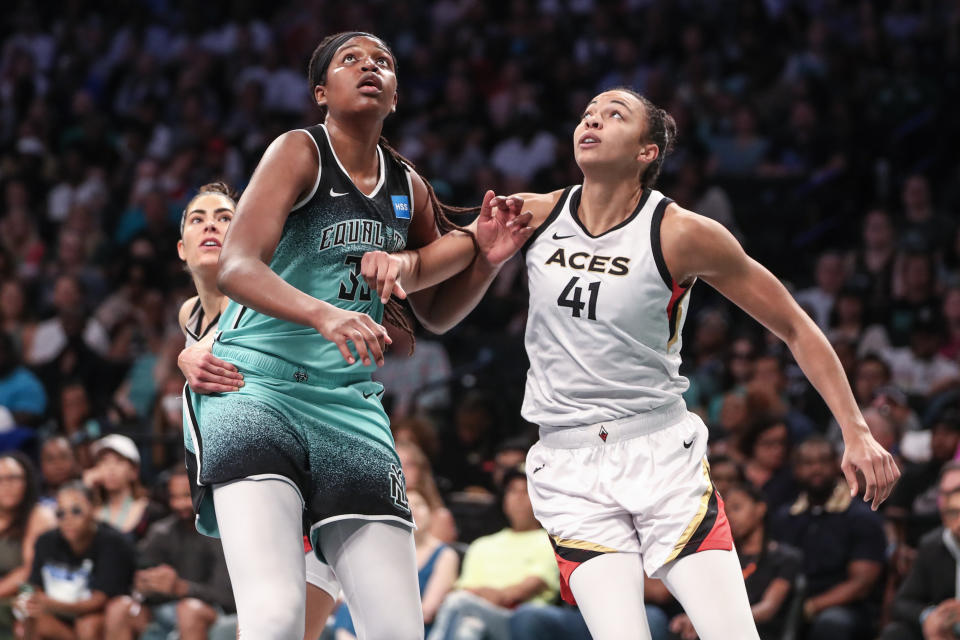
(206,373)
(341,326)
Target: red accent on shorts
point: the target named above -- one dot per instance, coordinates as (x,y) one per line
(566,570)
(720,537)
(307,547)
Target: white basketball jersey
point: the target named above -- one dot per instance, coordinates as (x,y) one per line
(603,330)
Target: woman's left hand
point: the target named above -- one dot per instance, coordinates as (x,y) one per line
(864,454)
(501,227)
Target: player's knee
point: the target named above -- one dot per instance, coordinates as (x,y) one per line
(397,627)
(278,617)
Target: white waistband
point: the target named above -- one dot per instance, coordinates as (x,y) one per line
(595,435)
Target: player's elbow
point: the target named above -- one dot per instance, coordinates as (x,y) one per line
(229,274)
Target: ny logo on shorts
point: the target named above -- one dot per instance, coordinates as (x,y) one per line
(603,433)
(398,492)
(300,375)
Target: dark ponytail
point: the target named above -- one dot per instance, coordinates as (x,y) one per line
(393,311)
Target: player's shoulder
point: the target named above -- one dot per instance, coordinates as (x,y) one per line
(688,230)
(186,310)
(539,204)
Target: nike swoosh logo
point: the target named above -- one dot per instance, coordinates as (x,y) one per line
(367,396)
(334,194)
(687,445)
(538,468)
(556,237)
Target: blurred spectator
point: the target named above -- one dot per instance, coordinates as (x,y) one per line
(181,583)
(920,369)
(883,429)
(765,446)
(951,316)
(468,446)
(16,315)
(501,571)
(167,424)
(115,477)
(914,498)
(18,232)
(914,295)
(58,466)
(842,542)
(742,150)
(829,277)
(22,520)
(414,382)
(870,374)
(873,262)
(21,393)
(848,322)
(725,473)
(437,568)
(419,478)
(53,335)
(770,569)
(77,568)
(920,218)
(926,605)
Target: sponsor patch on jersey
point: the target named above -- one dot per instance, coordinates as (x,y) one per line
(401,206)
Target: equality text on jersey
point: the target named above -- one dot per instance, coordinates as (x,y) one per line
(360,231)
(584,261)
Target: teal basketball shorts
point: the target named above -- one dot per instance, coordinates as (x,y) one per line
(329,438)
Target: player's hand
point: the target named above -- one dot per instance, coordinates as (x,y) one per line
(206,373)
(341,326)
(382,271)
(880,473)
(502,227)
(938,625)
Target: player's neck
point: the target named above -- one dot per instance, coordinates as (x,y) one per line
(355,143)
(605,204)
(210,297)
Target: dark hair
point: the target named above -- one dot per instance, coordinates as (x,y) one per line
(661,131)
(725,459)
(746,488)
(815,439)
(219,188)
(393,311)
(21,515)
(79,487)
(748,442)
(875,359)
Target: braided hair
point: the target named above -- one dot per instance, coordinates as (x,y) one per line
(661,131)
(393,311)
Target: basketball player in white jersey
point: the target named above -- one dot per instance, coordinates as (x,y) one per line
(203,225)
(619,477)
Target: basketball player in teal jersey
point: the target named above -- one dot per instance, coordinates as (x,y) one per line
(619,477)
(305,438)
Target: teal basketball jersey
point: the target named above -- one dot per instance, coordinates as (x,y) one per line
(320,251)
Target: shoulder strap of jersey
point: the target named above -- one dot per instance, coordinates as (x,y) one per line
(554,213)
(319,141)
(656,248)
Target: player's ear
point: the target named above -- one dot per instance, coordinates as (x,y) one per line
(320,95)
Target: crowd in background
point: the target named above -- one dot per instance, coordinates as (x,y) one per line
(820,132)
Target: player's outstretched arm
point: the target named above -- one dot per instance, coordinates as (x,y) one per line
(697,247)
(500,231)
(440,307)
